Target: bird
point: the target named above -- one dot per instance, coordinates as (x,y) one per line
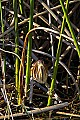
(39,72)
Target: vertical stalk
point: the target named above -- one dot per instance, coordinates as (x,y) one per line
(51,36)
(71,29)
(1,18)
(21,6)
(78,76)
(57,61)
(29,46)
(2,29)
(16,49)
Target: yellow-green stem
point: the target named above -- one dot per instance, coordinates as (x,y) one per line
(70,28)
(56,62)
(21,6)
(16,50)
(29,44)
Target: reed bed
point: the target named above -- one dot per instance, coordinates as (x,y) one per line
(39,59)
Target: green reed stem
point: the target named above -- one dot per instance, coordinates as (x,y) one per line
(57,60)
(21,6)
(29,44)
(70,28)
(16,50)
